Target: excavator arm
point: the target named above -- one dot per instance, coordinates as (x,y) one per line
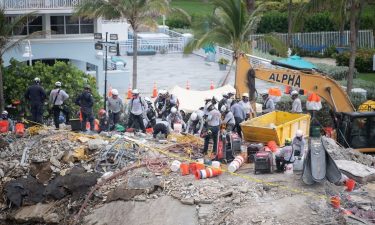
(313,81)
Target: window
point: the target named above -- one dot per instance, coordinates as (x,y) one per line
(71,25)
(34,24)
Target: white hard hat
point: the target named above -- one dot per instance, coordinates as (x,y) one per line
(37,79)
(207,98)
(114,92)
(245,95)
(173,110)
(209,105)
(162,91)
(231,93)
(135,91)
(147,99)
(58,84)
(223,108)
(193,116)
(294,92)
(299,133)
(5,112)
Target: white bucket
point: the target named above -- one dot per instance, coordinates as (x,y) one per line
(200,161)
(216,164)
(175,165)
(289,169)
(177,127)
(237,162)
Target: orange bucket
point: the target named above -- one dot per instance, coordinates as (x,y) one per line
(350,184)
(184,169)
(20,129)
(150,130)
(193,167)
(335,202)
(200,166)
(4,126)
(272,145)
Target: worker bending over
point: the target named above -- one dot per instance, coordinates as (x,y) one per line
(239,116)
(170,102)
(213,126)
(229,121)
(268,104)
(175,117)
(284,156)
(195,123)
(160,102)
(161,127)
(298,144)
(137,110)
(296,105)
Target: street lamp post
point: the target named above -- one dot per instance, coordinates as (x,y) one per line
(108,45)
(28,52)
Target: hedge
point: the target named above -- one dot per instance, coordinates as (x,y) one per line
(363,62)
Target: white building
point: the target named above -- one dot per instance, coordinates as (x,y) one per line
(65,37)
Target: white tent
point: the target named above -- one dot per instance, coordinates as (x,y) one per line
(191,100)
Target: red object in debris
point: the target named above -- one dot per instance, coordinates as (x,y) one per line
(272,145)
(150,130)
(20,129)
(328,131)
(350,184)
(335,202)
(129,130)
(184,168)
(207,173)
(4,126)
(193,167)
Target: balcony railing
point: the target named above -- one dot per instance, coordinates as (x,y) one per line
(38,4)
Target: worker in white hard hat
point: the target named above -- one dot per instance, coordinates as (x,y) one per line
(298,143)
(223,101)
(195,123)
(7,123)
(36,96)
(137,111)
(115,107)
(213,126)
(207,101)
(170,102)
(229,121)
(245,102)
(150,118)
(160,101)
(231,98)
(268,103)
(296,105)
(57,98)
(175,117)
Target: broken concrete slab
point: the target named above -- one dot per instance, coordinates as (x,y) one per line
(122,193)
(41,171)
(356,171)
(41,213)
(149,184)
(164,210)
(95,144)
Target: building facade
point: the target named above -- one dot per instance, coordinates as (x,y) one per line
(64,36)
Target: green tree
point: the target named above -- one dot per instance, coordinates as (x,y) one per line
(137,12)
(18,76)
(9,28)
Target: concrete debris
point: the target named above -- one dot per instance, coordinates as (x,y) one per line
(41,213)
(41,171)
(356,171)
(95,144)
(23,191)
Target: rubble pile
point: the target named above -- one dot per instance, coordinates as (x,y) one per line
(339,153)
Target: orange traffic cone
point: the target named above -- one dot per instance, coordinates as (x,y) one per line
(212,85)
(154,91)
(110,91)
(187,85)
(129,92)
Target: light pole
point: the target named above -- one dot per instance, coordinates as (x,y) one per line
(108,45)
(28,52)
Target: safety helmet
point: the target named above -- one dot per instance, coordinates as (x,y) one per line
(58,84)
(102,112)
(207,99)
(225,95)
(135,92)
(299,133)
(193,116)
(173,110)
(4,112)
(114,92)
(245,95)
(37,80)
(148,100)
(223,108)
(162,91)
(294,93)
(288,141)
(264,94)
(215,98)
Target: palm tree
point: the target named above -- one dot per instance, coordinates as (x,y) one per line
(9,28)
(340,10)
(137,12)
(230,25)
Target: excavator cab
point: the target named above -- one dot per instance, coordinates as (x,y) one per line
(357,130)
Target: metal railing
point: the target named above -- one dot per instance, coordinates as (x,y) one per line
(318,41)
(38,4)
(161,45)
(254,60)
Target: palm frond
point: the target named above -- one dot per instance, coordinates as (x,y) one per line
(276,44)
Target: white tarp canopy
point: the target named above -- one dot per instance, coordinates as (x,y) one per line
(191,100)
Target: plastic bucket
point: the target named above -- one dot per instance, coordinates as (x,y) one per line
(184,169)
(289,169)
(237,162)
(175,165)
(4,126)
(350,184)
(193,167)
(335,202)
(200,166)
(215,164)
(20,129)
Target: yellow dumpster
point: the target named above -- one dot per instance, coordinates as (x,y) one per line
(276,126)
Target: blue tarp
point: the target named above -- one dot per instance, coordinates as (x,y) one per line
(297,61)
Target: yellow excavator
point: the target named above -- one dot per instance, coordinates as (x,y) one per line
(354,129)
